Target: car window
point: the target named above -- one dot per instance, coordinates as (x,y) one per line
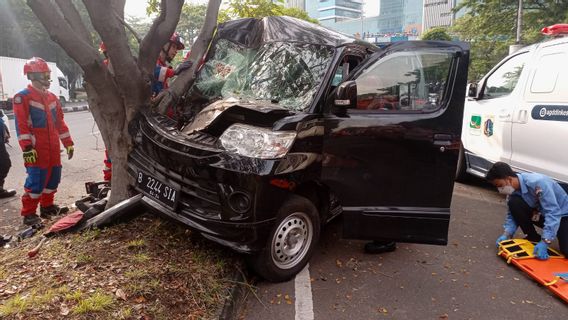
(547,70)
(503,80)
(404,81)
(62,83)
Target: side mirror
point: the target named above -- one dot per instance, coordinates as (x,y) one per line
(472,90)
(346,95)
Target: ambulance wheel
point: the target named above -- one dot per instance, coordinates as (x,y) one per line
(291,242)
(461,173)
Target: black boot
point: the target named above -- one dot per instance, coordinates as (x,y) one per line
(380,247)
(52,210)
(32,219)
(7,193)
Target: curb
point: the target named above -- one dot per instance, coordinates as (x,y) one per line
(236,297)
(75,109)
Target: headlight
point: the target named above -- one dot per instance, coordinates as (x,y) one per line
(257,142)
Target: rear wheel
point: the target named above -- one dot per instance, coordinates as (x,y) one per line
(291,241)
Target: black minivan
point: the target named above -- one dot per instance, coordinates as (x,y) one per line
(289,124)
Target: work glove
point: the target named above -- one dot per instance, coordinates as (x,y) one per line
(30,156)
(503,237)
(186,64)
(70,151)
(541,251)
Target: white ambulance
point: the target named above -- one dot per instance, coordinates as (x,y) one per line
(518,112)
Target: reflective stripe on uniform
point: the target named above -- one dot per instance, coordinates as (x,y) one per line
(162,74)
(46,190)
(52,105)
(64,135)
(34,195)
(25,137)
(36,104)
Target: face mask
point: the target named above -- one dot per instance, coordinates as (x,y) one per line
(508,190)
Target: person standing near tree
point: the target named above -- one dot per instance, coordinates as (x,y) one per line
(163,71)
(5,162)
(39,127)
(107,171)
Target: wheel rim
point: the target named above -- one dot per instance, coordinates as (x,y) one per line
(292,240)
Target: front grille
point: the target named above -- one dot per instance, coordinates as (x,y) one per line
(171,157)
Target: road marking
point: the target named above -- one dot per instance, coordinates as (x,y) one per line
(304,303)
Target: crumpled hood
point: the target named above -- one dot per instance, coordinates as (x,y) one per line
(261,108)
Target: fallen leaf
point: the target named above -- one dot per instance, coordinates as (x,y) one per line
(339,263)
(63,309)
(140,299)
(382,310)
(121,294)
(443,316)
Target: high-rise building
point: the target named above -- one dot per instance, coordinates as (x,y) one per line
(439,13)
(330,11)
(300,4)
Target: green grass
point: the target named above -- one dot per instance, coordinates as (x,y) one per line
(74,296)
(15,305)
(136,243)
(96,303)
(141,258)
(84,259)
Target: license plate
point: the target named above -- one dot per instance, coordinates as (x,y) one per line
(158,190)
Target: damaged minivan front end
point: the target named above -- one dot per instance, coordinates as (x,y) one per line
(229,169)
(289,124)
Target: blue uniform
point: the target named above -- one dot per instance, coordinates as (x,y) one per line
(545,195)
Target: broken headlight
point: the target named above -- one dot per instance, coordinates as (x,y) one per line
(257,142)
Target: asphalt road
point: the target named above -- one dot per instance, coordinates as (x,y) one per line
(464,280)
(86,165)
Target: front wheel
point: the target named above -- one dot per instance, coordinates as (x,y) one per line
(291,241)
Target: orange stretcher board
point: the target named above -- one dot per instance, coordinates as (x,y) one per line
(551,273)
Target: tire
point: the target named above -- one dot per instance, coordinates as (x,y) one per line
(461,173)
(291,242)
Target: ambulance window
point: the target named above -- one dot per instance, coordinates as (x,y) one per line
(546,75)
(503,80)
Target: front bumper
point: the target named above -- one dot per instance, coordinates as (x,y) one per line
(241,237)
(206,178)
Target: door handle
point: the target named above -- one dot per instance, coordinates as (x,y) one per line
(522,116)
(443,141)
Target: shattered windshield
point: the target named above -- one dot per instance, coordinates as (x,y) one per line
(285,73)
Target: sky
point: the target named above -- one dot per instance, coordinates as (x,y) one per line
(137,8)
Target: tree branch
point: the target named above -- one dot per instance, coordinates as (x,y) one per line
(74,20)
(136,36)
(63,34)
(162,28)
(133,87)
(200,47)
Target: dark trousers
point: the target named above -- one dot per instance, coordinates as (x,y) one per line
(5,162)
(522,214)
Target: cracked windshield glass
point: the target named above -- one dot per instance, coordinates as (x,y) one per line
(284,73)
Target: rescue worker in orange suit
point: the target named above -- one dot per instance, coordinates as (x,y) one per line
(107,171)
(162,71)
(40,127)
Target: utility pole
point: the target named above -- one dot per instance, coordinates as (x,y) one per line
(519,22)
(518,45)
